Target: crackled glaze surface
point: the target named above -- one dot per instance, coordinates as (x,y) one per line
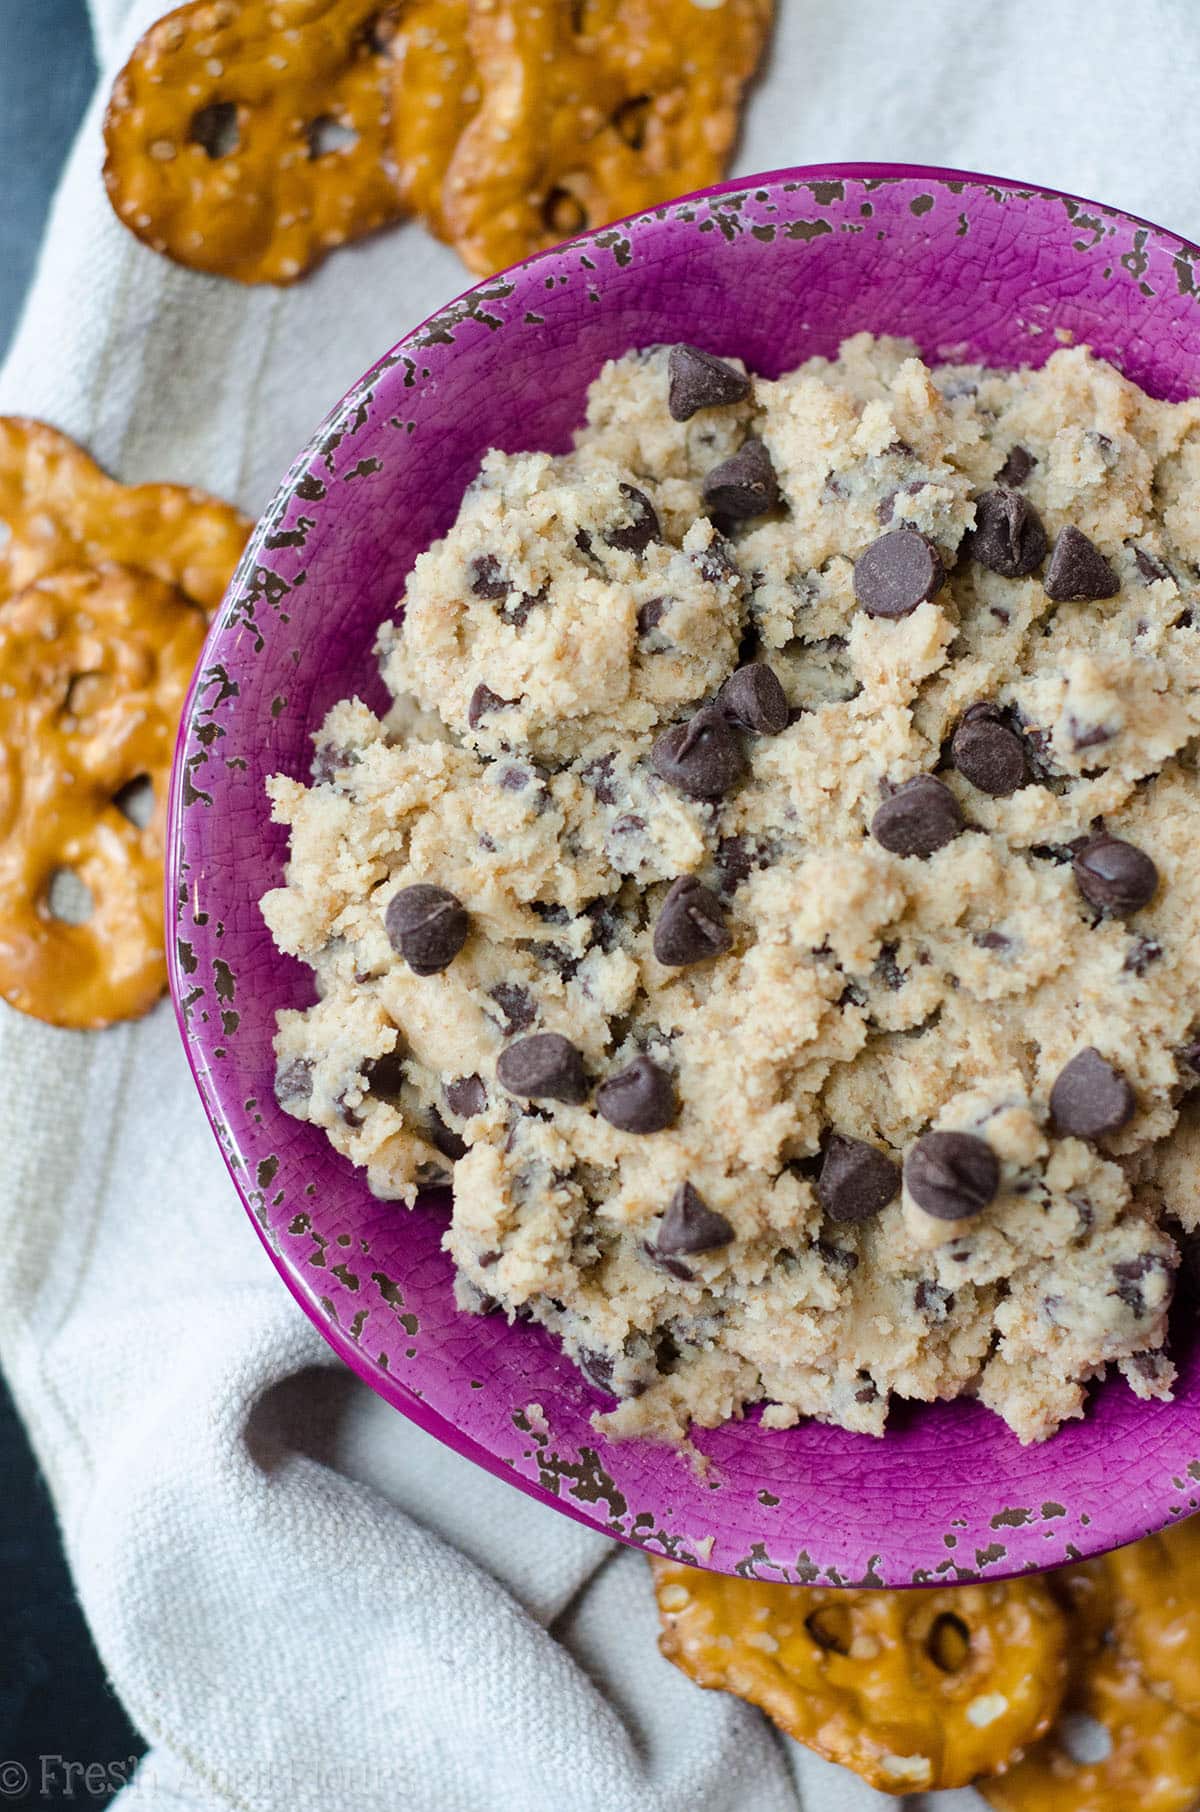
(778,268)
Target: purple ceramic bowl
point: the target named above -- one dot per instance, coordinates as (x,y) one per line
(776,268)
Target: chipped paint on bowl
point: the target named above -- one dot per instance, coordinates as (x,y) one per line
(776,268)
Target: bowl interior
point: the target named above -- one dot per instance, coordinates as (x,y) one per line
(775,269)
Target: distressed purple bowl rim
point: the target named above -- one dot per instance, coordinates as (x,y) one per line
(1117,1529)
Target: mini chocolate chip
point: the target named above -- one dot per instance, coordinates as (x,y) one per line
(1078,571)
(1090,1097)
(427,926)
(385,1076)
(715,563)
(1190,1055)
(543,1067)
(952,1175)
(992,940)
(445,1138)
(690,1225)
(1149,567)
(488,578)
(597,1368)
(898,572)
(988,753)
(483,700)
(699,380)
(1008,537)
(1114,876)
(701,757)
(921,816)
(1017,466)
(690,926)
(932,1299)
(466,1096)
(598,774)
(856,1180)
(650,614)
(754,699)
(638,1099)
(635,536)
(516,1005)
(743,486)
(1141,953)
(294,1080)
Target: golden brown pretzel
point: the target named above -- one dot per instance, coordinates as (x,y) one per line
(435,92)
(57,508)
(1158,1617)
(94,666)
(249,137)
(913,1690)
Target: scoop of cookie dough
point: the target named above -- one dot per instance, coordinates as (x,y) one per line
(773,1032)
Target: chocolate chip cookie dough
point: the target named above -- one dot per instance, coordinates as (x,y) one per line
(773,897)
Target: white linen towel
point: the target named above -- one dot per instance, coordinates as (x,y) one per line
(303,1601)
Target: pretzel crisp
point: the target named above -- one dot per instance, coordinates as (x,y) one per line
(591,111)
(1158,1587)
(249,137)
(94,666)
(57,508)
(913,1690)
(435,93)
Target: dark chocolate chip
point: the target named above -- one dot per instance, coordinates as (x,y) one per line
(385,1076)
(952,1175)
(932,1299)
(466,1096)
(1149,567)
(543,1067)
(516,1004)
(856,1180)
(988,752)
(698,380)
(1017,467)
(1142,952)
(743,486)
(650,614)
(690,926)
(690,1225)
(921,816)
(674,1267)
(898,572)
(1090,1097)
(635,536)
(427,926)
(483,700)
(1078,571)
(293,1081)
(701,757)
(445,1138)
(754,699)
(639,1099)
(597,1368)
(488,578)
(1114,876)
(1008,537)
(715,563)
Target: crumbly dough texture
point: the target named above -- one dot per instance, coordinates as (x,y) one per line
(865,993)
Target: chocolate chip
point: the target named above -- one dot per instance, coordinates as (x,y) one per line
(597,1368)
(690,926)
(1078,571)
(650,614)
(1008,537)
(1149,567)
(466,1096)
(701,757)
(674,1267)
(1142,952)
(754,699)
(638,1099)
(488,578)
(952,1175)
(543,1067)
(427,926)
(743,486)
(856,1180)
(445,1138)
(932,1299)
(698,380)
(1017,467)
(293,1081)
(898,572)
(921,816)
(690,1225)
(715,563)
(1090,1097)
(1114,876)
(988,753)
(483,700)
(516,1005)
(385,1076)
(635,536)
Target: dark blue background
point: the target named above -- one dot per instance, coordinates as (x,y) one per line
(54,1700)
